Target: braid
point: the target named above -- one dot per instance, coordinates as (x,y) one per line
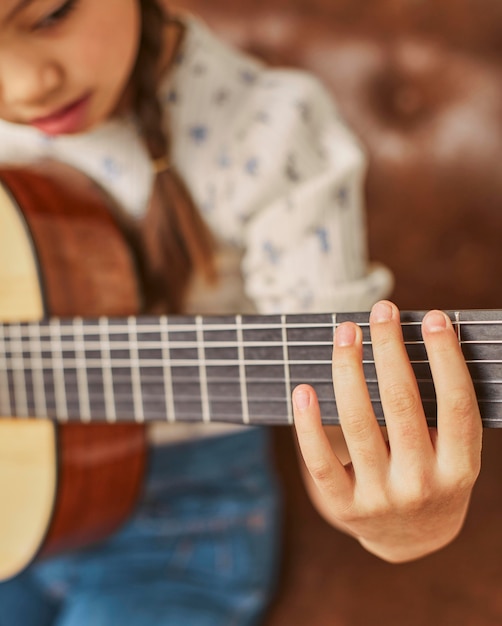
(177,242)
(146,105)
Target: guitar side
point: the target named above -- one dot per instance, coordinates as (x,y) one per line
(28,475)
(62,253)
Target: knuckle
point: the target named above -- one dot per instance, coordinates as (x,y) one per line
(465,482)
(417,492)
(321,472)
(419,497)
(464,479)
(402,400)
(378,505)
(462,403)
(356,427)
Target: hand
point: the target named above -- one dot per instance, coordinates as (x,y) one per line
(405,496)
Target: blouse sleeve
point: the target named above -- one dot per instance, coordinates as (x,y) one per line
(306,248)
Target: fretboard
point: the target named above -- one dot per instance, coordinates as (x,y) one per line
(235,369)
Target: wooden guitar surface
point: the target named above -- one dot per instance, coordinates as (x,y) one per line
(62,253)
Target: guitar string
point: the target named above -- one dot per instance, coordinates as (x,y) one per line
(154,399)
(263,418)
(72,365)
(97,345)
(214,395)
(90,327)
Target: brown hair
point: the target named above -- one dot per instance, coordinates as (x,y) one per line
(176,240)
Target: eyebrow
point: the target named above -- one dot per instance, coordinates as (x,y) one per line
(22,4)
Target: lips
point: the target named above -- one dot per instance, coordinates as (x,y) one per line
(66,120)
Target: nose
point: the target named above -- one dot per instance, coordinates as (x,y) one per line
(27,79)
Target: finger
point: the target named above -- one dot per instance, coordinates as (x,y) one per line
(323,465)
(409,438)
(459,422)
(365,442)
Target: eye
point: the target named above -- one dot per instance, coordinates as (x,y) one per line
(58,15)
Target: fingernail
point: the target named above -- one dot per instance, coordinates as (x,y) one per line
(302,398)
(381,312)
(435,321)
(345,335)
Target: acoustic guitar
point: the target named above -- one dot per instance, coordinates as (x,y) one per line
(74,352)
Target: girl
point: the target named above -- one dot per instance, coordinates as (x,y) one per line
(254,186)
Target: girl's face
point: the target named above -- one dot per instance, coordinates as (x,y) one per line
(65,64)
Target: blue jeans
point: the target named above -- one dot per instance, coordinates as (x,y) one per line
(201,549)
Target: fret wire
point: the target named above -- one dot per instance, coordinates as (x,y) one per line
(105,365)
(166,370)
(5,399)
(58,369)
(81,369)
(137,391)
(457,323)
(40,400)
(204,396)
(287,381)
(19,373)
(242,370)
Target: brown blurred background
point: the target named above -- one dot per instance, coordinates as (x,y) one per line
(420,81)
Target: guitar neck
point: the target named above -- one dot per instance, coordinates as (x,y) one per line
(235,369)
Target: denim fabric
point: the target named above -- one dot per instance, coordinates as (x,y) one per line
(200,550)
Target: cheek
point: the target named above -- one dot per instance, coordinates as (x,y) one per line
(110,61)
(112,57)
(109,51)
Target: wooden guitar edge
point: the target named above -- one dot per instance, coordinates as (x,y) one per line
(28,475)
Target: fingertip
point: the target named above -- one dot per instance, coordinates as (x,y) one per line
(346,335)
(383,311)
(436,321)
(302,397)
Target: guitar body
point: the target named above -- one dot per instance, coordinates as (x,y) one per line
(62,254)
